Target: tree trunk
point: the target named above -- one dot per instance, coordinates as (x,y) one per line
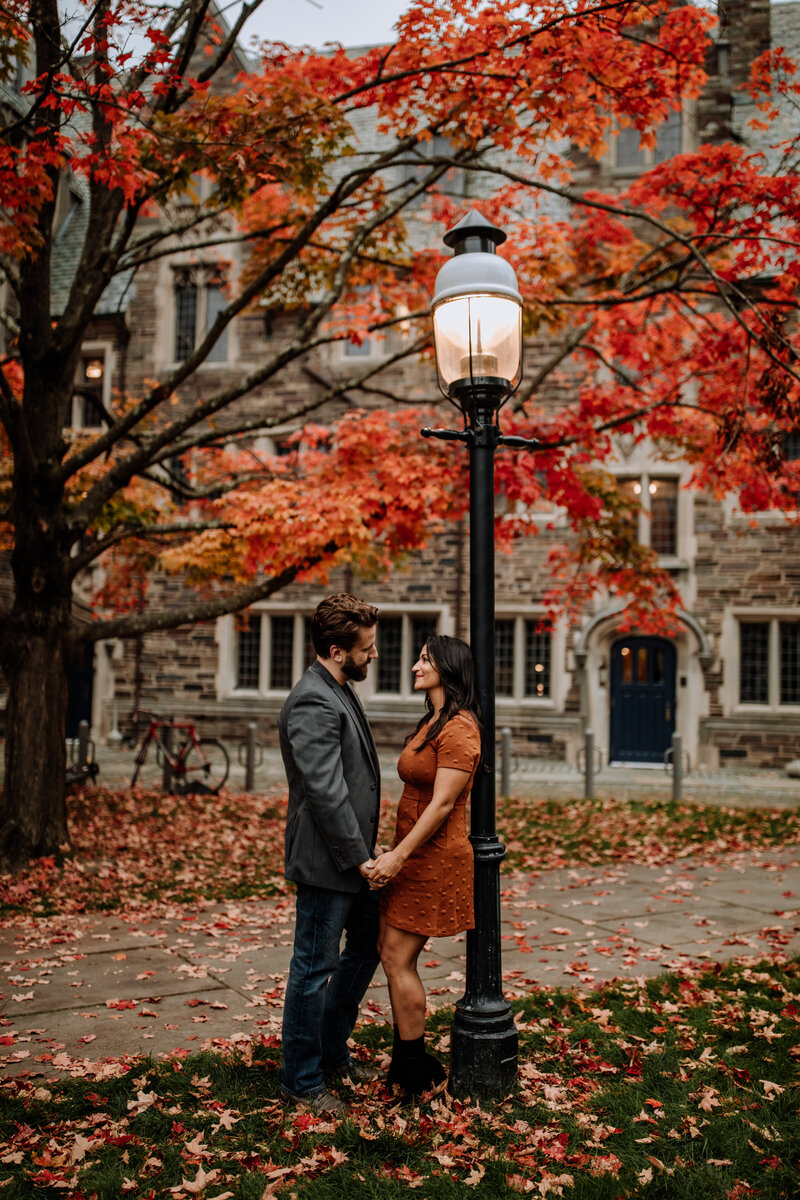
(33,815)
(36,638)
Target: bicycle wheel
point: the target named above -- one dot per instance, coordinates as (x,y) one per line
(205,768)
(149,769)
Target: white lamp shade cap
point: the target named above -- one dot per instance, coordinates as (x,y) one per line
(466,274)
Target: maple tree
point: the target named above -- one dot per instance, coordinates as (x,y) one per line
(647,297)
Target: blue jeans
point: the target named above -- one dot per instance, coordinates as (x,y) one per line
(325,987)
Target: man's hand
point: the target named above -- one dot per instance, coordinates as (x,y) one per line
(365,868)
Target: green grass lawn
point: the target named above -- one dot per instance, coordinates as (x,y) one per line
(683,1086)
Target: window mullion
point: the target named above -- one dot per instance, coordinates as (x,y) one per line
(645,517)
(774,665)
(519,658)
(265,666)
(298,646)
(405,657)
(201,308)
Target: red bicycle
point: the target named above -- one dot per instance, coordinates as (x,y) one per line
(197,766)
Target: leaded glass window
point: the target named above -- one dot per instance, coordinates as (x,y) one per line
(664,516)
(790,662)
(281,652)
(754,662)
(185,320)
(504,657)
(537,661)
(390,654)
(248,654)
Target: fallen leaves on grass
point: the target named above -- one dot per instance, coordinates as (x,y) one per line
(543,835)
(210,1125)
(134,851)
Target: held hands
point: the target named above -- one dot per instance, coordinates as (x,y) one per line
(382,869)
(367,869)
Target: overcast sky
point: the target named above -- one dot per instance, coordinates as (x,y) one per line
(314,22)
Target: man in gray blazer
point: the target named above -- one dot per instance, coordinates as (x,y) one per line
(331,830)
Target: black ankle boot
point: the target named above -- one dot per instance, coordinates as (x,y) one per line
(428,1074)
(403,1054)
(412,1068)
(397,1055)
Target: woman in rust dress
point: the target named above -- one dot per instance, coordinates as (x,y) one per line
(427,876)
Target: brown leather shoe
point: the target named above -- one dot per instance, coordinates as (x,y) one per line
(356,1072)
(320,1102)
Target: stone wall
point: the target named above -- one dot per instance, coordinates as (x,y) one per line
(753,742)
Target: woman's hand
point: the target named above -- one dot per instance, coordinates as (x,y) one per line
(385,868)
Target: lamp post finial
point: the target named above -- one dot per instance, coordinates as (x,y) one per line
(474,232)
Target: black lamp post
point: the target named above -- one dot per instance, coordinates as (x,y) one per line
(477,323)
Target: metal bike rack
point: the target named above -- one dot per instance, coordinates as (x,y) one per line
(590,763)
(678,761)
(508,762)
(81,764)
(250,754)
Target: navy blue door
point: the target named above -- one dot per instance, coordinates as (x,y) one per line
(642,699)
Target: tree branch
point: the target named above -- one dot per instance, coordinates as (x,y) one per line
(570,343)
(122,472)
(130,529)
(207,610)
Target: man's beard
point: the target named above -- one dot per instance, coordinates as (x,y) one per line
(351,670)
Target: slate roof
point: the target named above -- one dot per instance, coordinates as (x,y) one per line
(66,255)
(68,242)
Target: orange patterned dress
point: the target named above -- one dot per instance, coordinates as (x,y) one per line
(433,894)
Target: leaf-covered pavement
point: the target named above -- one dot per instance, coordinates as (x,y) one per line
(95,986)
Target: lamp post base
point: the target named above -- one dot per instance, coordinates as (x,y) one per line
(483,1054)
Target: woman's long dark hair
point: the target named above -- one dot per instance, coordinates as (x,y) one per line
(453,660)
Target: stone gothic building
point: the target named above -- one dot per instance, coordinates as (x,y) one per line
(728,681)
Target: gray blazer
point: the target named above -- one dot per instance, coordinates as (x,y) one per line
(334,784)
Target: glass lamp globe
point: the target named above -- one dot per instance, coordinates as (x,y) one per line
(477,316)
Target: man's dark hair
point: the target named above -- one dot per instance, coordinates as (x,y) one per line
(338,620)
